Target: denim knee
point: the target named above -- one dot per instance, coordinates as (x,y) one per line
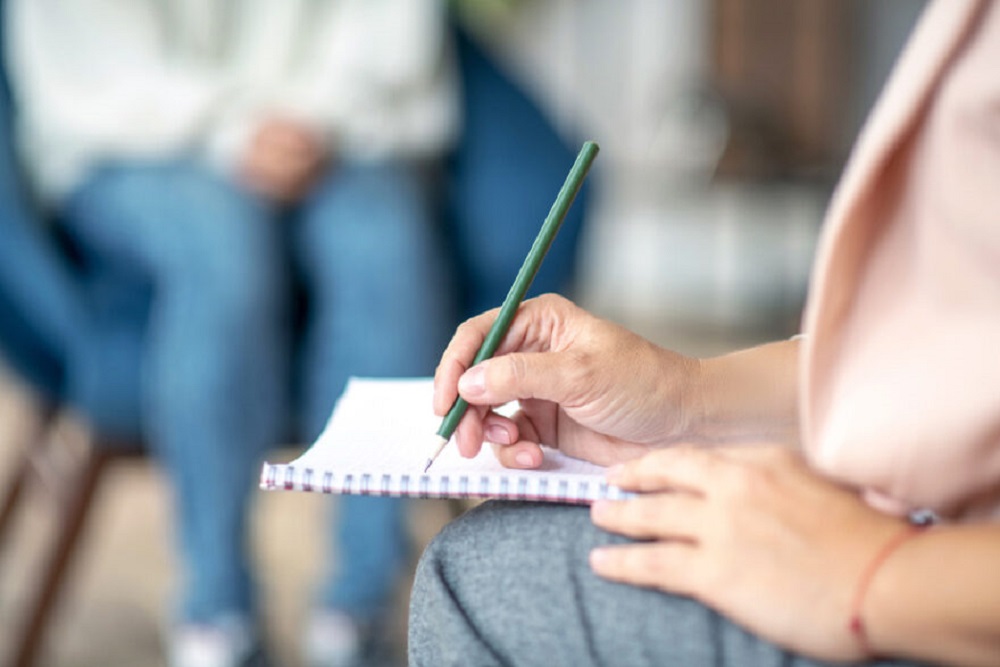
(186,228)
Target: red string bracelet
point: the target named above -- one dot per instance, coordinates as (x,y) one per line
(856,624)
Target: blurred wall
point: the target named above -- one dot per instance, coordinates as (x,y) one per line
(723,126)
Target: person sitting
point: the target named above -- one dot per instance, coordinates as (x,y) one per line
(218,152)
(783,492)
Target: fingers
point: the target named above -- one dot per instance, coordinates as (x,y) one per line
(522,449)
(701,470)
(668,566)
(539,325)
(275,181)
(520,438)
(500,430)
(522,455)
(514,441)
(469,432)
(288,137)
(670,521)
(549,376)
(661,516)
(684,467)
(457,358)
(283,159)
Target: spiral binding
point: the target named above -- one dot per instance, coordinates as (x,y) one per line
(511,487)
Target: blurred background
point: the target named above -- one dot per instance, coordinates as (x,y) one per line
(723,127)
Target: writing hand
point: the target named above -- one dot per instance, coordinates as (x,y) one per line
(587,386)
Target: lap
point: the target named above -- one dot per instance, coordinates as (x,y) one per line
(511,582)
(368,249)
(368,218)
(166,217)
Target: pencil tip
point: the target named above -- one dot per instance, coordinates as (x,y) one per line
(439,443)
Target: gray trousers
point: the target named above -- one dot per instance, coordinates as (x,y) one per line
(509,584)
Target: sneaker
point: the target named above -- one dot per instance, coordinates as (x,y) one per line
(333,639)
(229,642)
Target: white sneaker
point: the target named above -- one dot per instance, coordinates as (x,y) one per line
(228,642)
(333,639)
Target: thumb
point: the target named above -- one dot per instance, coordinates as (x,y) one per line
(519,375)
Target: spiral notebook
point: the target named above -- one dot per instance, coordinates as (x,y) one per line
(377,442)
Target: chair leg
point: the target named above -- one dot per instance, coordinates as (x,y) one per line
(14,489)
(12,496)
(41,605)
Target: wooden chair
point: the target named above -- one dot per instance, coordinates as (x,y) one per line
(39,293)
(70,475)
(42,290)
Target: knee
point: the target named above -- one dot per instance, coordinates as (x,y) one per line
(239,278)
(505,536)
(487,562)
(456,540)
(368,211)
(197,237)
(227,245)
(372,187)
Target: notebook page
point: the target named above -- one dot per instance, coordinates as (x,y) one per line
(378,439)
(388,426)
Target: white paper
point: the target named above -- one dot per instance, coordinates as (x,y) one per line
(378,440)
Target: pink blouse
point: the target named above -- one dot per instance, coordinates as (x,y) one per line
(901,364)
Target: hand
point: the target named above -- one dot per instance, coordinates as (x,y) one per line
(587,386)
(750,531)
(283,161)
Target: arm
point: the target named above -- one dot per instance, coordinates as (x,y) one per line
(938,598)
(603,393)
(752,393)
(93,79)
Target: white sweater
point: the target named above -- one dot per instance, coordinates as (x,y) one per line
(99,80)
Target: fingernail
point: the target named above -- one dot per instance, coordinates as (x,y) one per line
(598,557)
(473,382)
(525,459)
(498,434)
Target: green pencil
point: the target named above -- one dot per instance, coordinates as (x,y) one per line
(521,284)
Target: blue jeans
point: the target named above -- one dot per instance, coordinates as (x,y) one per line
(368,249)
(214,359)
(216,364)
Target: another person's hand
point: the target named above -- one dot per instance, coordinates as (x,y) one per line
(587,386)
(750,531)
(284,160)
